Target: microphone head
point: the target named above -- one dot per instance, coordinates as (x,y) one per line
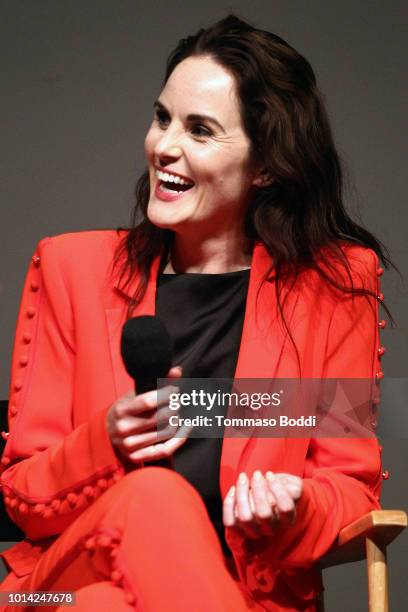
(146,349)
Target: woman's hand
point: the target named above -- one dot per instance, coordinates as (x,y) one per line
(133,420)
(259,506)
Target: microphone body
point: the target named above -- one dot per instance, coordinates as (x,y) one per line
(146,350)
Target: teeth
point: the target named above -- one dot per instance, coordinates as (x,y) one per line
(171,178)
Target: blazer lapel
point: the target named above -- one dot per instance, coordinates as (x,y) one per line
(260,356)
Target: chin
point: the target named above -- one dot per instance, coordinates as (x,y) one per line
(161,218)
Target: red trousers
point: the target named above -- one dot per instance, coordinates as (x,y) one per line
(145,544)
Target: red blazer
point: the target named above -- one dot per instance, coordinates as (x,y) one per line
(67,371)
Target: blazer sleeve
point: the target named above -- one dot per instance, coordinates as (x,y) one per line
(342,476)
(50,470)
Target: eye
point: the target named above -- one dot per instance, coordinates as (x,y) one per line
(161,117)
(201,131)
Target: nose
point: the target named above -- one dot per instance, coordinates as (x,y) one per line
(168,147)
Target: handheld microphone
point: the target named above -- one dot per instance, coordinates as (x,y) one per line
(146,350)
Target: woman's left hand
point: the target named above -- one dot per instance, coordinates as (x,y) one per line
(260,505)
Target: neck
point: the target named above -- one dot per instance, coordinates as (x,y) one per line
(214,255)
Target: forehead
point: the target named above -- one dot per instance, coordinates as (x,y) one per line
(200,85)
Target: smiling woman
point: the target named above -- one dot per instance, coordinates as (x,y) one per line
(241,244)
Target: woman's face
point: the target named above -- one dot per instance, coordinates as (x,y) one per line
(201,176)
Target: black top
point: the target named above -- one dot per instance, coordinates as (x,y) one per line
(204,314)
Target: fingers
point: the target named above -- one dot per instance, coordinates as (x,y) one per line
(152,420)
(145,402)
(259,490)
(228,508)
(175,372)
(243,509)
(294,485)
(265,513)
(131,404)
(285,505)
(248,506)
(258,506)
(154,452)
(137,422)
(237,512)
(140,440)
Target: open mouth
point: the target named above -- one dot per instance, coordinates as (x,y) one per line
(173,183)
(172,188)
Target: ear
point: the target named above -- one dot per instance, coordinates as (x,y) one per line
(262,178)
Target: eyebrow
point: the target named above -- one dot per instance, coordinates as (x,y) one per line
(192,116)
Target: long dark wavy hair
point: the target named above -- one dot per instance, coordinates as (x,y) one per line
(301,211)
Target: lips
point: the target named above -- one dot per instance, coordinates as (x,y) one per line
(170,194)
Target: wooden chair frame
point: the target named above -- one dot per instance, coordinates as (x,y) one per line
(368,538)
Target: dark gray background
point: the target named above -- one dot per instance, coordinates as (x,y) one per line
(79,79)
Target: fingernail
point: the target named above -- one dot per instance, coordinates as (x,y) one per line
(270,476)
(257,475)
(231,491)
(151,398)
(242,479)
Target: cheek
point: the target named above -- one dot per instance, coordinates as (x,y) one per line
(149,144)
(229,174)
(215,167)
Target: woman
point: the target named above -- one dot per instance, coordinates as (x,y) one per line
(240,242)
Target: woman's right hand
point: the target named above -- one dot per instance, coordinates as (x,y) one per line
(132,424)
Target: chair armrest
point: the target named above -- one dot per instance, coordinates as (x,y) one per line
(382,526)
